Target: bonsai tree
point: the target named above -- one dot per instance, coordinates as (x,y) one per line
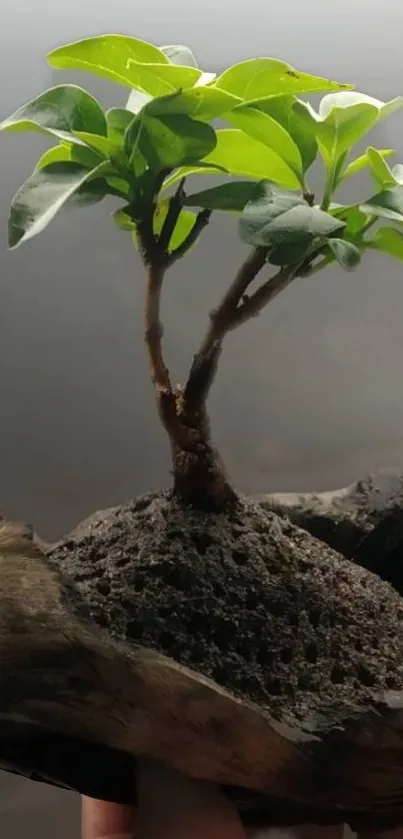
(191,626)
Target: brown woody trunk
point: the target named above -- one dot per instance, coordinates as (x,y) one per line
(199,475)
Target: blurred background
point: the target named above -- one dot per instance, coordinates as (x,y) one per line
(309,395)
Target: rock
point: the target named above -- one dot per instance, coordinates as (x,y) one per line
(363,521)
(267,612)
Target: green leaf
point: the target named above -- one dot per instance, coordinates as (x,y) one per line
(179,54)
(362,162)
(230,197)
(242,155)
(169,141)
(346,254)
(183,226)
(398,173)
(123,220)
(354,219)
(296,118)
(99,144)
(200,168)
(202,103)
(386,204)
(127,61)
(137,100)
(262,127)
(388,240)
(260,77)
(383,175)
(45,193)
(339,128)
(118,120)
(68,151)
(282,220)
(345,117)
(60,111)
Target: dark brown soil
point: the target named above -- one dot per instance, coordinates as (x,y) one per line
(244,597)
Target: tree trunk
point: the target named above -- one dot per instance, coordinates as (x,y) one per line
(199,474)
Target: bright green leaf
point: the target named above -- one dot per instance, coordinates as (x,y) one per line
(127,61)
(362,162)
(339,128)
(170,141)
(179,54)
(386,204)
(282,219)
(60,111)
(183,226)
(230,197)
(45,193)
(296,118)
(186,171)
(388,240)
(345,117)
(383,175)
(260,77)
(346,254)
(202,103)
(244,156)
(123,221)
(266,130)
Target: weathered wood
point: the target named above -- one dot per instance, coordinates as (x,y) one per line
(76,704)
(362,521)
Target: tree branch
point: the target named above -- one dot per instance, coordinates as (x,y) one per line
(154,259)
(206,359)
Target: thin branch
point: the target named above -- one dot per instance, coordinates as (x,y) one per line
(165,395)
(251,307)
(205,361)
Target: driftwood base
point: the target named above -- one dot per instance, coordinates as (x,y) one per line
(235,648)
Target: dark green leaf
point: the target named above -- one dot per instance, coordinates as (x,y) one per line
(388,240)
(347,254)
(386,204)
(45,193)
(118,119)
(260,77)
(60,111)
(125,60)
(289,253)
(170,141)
(231,196)
(244,156)
(68,151)
(202,103)
(282,219)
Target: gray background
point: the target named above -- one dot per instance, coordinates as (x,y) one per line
(309,396)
